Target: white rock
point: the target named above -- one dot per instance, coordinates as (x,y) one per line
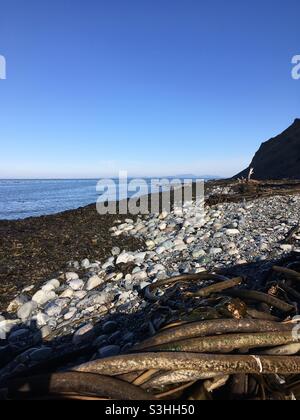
(140,257)
(198,253)
(124,258)
(28,289)
(26,311)
(286,248)
(45,331)
(116,251)
(215,251)
(241,262)
(163,215)
(51,285)
(190,239)
(68,293)
(16,304)
(80,294)
(162,226)
(180,248)
(6,326)
(119,277)
(55,308)
(142,275)
(232,232)
(150,244)
(71,276)
(93,282)
(70,314)
(85,263)
(42,319)
(76,284)
(160,250)
(144,284)
(43,296)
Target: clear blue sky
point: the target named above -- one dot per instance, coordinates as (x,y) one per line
(155,87)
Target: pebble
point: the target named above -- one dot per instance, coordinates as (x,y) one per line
(109,351)
(93,282)
(124,258)
(42,319)
(44,296)
(6,326)
(19,336)
(160,250)
(16,304)
(110,327)
(69,315)
(76,284)
(286,248)
(54,309)
(229,234)
(116,251)
(84,335)
(68,294)
(85,264)
(41,354)
(71,276)
(45,331)
(26,311)
(215,251)
(53,284)
(232,232)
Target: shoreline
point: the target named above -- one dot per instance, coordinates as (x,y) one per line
(111,296)
(35,249)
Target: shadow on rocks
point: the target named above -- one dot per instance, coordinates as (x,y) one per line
(25,353)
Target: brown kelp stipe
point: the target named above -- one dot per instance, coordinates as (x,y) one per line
(73,383)
(219,340)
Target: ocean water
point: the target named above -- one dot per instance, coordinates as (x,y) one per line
(20,199)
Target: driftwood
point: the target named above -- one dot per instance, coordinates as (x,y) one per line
(255,357)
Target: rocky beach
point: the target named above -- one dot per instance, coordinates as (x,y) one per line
(98,302)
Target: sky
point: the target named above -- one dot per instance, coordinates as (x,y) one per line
(160,87)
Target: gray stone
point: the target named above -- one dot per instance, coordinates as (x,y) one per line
(100,341)
(41,354)
(19,336)
(84,335)
(109,351)
(110,327)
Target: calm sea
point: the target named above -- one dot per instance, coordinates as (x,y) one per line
(20,199)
